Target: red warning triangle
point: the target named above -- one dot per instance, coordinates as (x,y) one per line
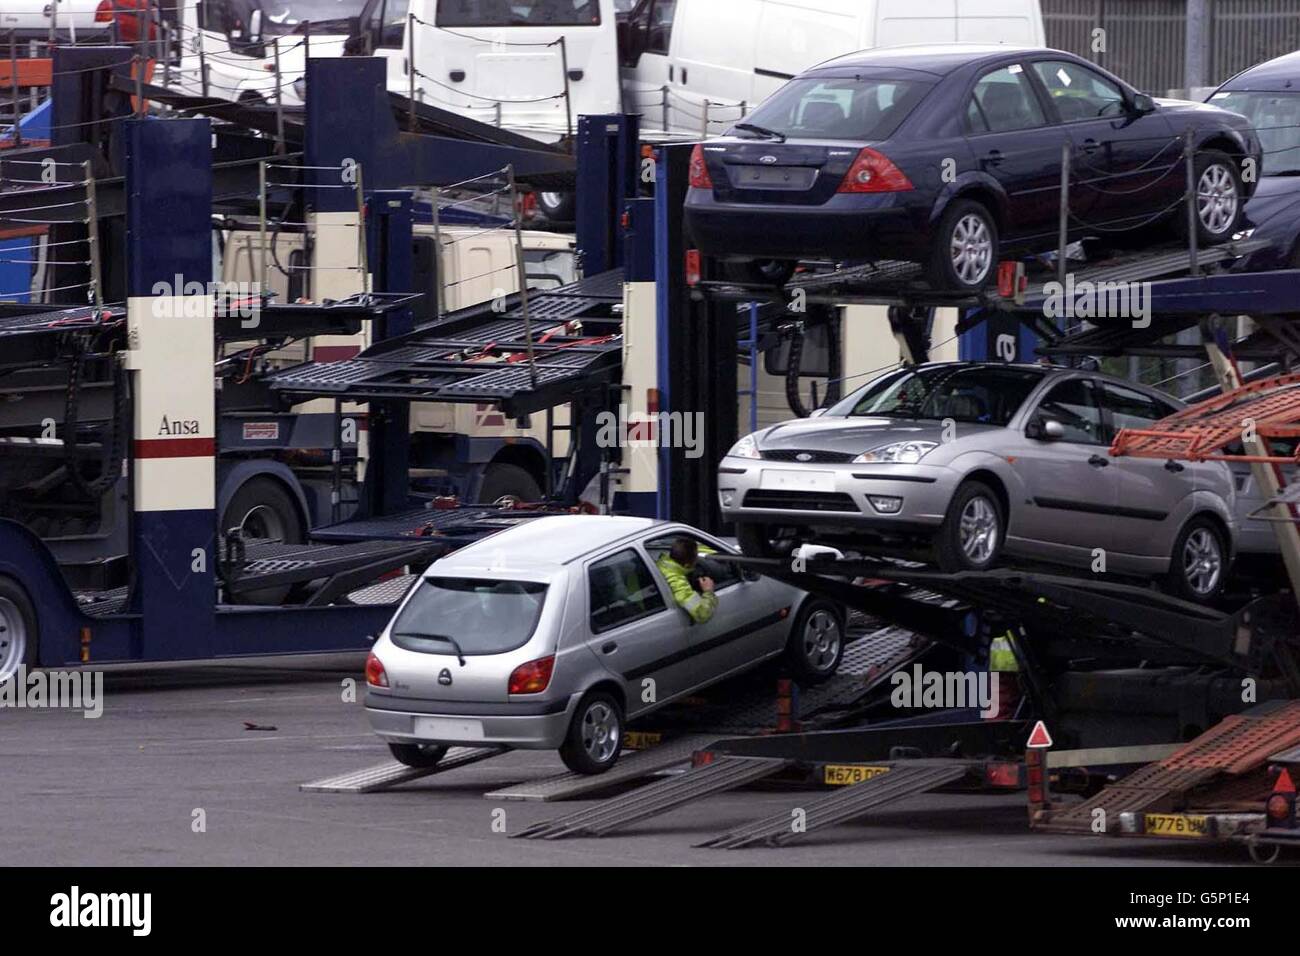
(1039,739)
(1284,782)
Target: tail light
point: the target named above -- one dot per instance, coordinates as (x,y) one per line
(700,178)
(1280,809)
(694,267)
(104,12)
(873,172)
(533,677)
(375,674)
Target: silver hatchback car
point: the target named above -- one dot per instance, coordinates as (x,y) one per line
(553,633)
(964,462)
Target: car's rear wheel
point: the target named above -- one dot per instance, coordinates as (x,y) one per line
(595,736)
(421,756)
(1220,198)
(760,271)
(816,643)
(965,251)
(1199,563)
(971,536)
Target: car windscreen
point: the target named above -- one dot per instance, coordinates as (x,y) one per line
(473,615)
(1276,118)
(984,395)
(518,13)
(281,17)
(848,108)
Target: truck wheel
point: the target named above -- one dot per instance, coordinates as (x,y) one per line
(558,207)
(816,644)
(261,508)
(420,756)
(595,736)
(508,481)
(970,538)
(18,629)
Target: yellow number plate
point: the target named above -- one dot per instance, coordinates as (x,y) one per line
(641,740)
(844,775)
(1177,825)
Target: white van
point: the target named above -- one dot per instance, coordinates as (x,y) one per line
(695,67)
(66,20)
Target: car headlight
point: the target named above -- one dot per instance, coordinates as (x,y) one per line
(899,453)
(745,448)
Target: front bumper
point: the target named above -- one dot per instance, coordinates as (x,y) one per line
(540,726)
(840,501)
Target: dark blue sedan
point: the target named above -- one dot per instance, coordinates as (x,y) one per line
(951,156)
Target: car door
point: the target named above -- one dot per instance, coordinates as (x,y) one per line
(1123,166)
(1068,480)
(1148,490)
(634,630)
(748,625)
(1013,141)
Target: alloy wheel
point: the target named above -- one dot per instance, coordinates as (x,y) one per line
(971,249)
(979,530)
(600,732)
(13,639)
(1216,198)
(1202,561)
(821,640)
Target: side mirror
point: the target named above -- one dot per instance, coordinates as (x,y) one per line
(817,412)
(1045,429)
(255,27)
(1143,104)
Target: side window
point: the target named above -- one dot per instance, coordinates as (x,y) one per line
(620,590)
(1079,93)
(724,574)
(1132,409)
(660,33)
(1006,100)
(392,29)
(1074,405)
(975,117)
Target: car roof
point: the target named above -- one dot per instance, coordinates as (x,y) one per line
(545,543)
(1279,73)
(939,59)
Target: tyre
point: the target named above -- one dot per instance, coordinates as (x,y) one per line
(816,644)
(971,536)
(595,736)
(423,756)
(965,253)
(18,629)
(508,481)
(262,509)
(764,540)
(760,271)
(558,207)
(1199,564)
(1220,199)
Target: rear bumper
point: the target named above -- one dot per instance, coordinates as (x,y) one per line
(845,227)
(465,725)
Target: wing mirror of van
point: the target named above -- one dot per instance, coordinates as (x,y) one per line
(255,27)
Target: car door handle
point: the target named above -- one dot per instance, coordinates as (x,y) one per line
(993,157)
(1091,145)
(1098,461)
(609,647)
(1175,466)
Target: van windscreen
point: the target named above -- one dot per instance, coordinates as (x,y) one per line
(848,108)
(471,616)
(518,13)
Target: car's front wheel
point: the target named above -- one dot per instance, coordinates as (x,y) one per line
(964,256)
(971,536)
(595,736)
(420,756)
(816,643)
(1199,563)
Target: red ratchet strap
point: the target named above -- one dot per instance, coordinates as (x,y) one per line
(597,340)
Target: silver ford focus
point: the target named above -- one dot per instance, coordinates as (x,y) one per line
(553,633)
(965,462)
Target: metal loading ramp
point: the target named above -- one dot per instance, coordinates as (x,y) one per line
(385,776)
(1218,763)
(902,780)
(724,773)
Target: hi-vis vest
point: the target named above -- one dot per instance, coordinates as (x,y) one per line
(1002,655)
(699,606)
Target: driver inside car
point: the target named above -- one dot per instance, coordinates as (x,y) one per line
(693,593)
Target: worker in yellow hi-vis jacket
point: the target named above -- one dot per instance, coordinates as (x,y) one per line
(676,567)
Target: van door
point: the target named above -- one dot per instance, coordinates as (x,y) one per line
(999,21)
(793,38)
(645,56)
(900,22)
(710,71)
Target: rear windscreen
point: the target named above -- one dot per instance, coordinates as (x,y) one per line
(518,13)
(849,108)
(481,616)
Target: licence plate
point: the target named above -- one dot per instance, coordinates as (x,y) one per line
(845,775)
(774,177)
(773,480)
(1177,825)
(641,739)
(448,728)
